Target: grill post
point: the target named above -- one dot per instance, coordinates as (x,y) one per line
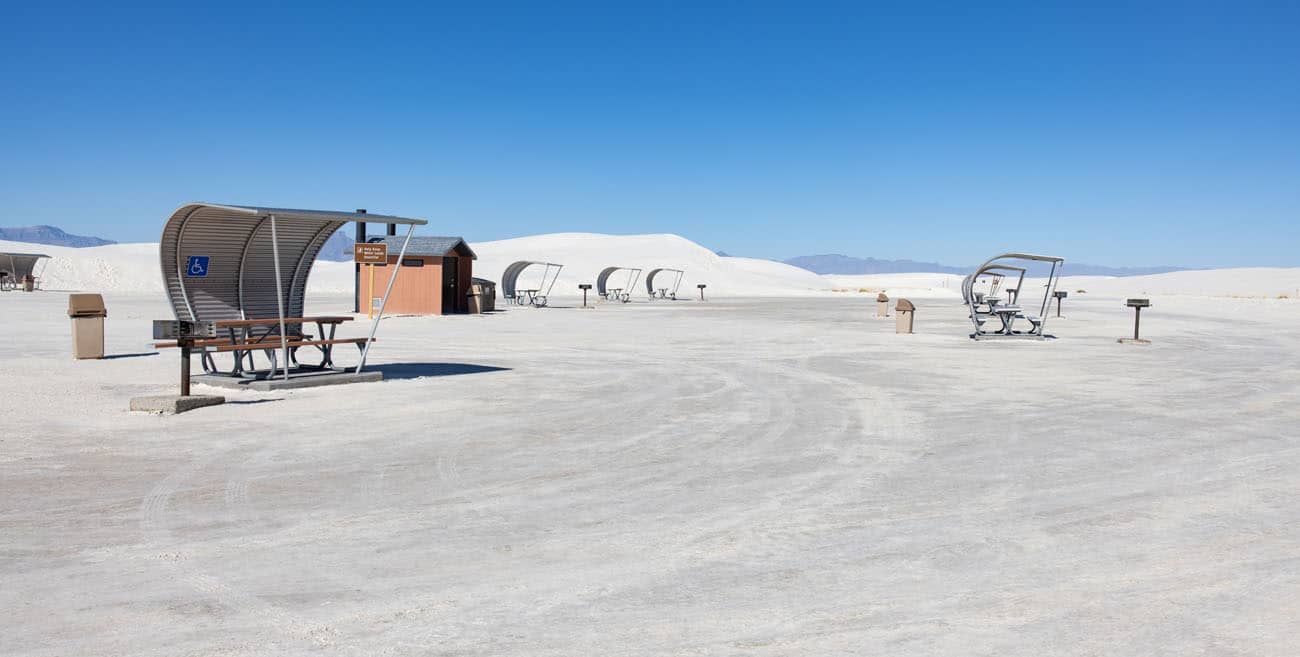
(185,366)
(1137,305)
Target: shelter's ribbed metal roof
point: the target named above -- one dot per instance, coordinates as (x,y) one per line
(426,245)
(315,215)
(218,260)
(23,255)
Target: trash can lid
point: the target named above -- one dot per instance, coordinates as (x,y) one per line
(86,305)
(882,297)
(904,304)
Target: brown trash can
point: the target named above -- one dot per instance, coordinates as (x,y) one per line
(87,312)
(904,311)
(29,284)
(882,305)
(482,296)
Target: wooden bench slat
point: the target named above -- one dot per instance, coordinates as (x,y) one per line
(274,345)
(212,342)
(275,321)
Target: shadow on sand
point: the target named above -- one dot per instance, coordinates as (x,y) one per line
(399,371)
(247,402)
(141,354)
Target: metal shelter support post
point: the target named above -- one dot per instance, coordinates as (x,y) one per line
(374,324)
(279,296)
(1050,290)
(356,279)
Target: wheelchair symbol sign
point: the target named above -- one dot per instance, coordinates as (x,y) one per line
(197,267)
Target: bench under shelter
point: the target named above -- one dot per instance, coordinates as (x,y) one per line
(17,268)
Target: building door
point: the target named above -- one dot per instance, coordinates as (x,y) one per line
(449,273)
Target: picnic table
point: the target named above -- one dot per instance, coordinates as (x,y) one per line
(244,337)
(534,297)
(1007,314)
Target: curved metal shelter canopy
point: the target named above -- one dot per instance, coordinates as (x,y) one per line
(623,293)
(536,296)
(667,292)
(1009,313)
(14,267)
(968,283)
(246,262)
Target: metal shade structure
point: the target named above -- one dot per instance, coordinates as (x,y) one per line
(536,296)
(968,283)
(667,292)
(246,262)
(15,267)
(623,293)
(1009,313)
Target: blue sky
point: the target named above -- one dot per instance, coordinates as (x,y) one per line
(1113,134)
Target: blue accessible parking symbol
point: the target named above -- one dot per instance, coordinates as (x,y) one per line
(197,266)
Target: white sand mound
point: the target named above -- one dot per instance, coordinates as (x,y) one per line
(112,268)
(1246,282)
(585,254)
(134,267)
(1251,282)
(898,286)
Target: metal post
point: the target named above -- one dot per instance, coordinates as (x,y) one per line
(1137,321)
(1058,306)
(374,324)
(279,297)
(1052,281)
(185,367)
(356,282)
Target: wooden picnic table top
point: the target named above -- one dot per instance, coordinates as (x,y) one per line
(275,321)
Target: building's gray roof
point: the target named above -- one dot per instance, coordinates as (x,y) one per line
(426,246)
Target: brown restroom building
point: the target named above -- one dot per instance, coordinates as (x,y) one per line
(434,279)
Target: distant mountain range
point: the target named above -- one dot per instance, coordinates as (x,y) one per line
(50,235)
(834,263)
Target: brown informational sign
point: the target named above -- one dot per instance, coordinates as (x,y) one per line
(370,253)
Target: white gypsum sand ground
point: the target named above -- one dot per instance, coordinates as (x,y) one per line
(760,476)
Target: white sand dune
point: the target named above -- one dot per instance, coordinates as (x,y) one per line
(1250,282)
(134,267)
(585,254)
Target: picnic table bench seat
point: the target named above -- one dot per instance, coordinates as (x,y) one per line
(292,344)
(244,337)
